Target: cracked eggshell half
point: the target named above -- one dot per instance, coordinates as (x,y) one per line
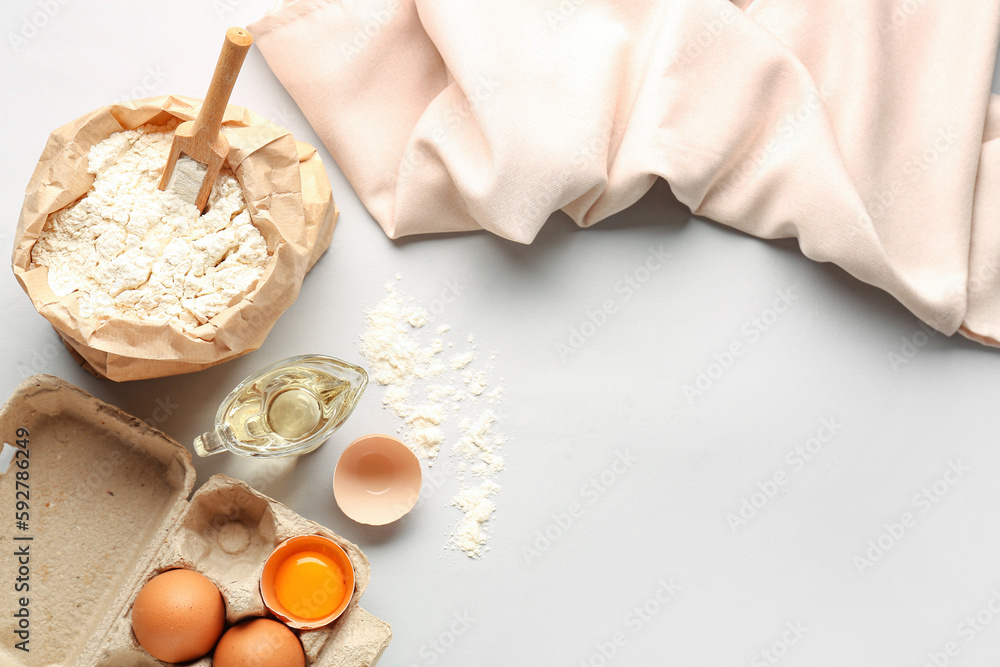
(377,480)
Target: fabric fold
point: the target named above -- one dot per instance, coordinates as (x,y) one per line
(859,129)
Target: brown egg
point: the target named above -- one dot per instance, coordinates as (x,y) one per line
(178,616)
(259,642)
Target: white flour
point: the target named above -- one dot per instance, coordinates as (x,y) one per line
(186,179)
(134,251)
(477,508)
(424,390)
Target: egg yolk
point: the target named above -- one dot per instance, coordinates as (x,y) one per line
(309,584)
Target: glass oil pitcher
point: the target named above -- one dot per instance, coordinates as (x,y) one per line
(288,408)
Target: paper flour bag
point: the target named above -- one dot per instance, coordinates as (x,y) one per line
(288,199)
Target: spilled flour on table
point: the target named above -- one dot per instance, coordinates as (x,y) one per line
(432,381)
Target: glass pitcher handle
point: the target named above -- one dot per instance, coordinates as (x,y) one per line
(207,444)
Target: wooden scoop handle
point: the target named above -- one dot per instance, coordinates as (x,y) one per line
(201,139)
(234,51)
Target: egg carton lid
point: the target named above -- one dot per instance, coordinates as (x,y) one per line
(102,493)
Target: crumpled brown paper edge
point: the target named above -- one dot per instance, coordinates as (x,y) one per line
(289,199)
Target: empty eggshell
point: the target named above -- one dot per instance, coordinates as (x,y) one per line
(377,480)
(259,642)
(178,616)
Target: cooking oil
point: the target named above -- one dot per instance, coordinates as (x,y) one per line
(289,408)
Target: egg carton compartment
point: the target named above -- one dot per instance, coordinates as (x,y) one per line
(112,511)
(226,534)
(129,658)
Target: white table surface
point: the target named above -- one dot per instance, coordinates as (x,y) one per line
(787,582)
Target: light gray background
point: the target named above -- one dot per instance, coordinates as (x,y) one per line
(664,519)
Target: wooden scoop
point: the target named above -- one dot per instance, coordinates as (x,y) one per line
(201,139)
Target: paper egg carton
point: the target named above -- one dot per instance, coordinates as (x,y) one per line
(109,508)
